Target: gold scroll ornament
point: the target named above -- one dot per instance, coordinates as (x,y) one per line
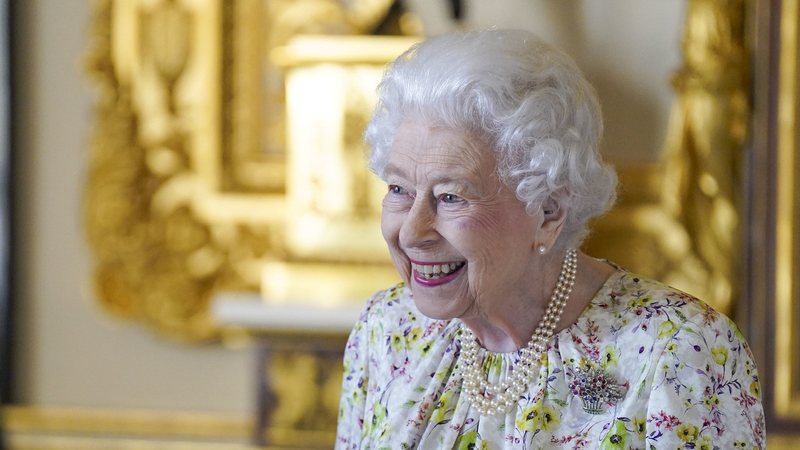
(186,189)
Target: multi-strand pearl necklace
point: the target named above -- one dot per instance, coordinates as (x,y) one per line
(490,398)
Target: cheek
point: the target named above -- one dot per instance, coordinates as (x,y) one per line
(496,228)
(475,238)
(474,230)
(489,244)
(393,212)
(390,227)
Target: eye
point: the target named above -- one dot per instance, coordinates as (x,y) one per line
(450,198)
(395,189)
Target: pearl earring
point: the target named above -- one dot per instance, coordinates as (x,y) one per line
(542,249)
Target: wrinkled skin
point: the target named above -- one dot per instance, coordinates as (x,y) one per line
(446,204)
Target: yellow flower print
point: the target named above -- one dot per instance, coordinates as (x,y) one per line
(426,348)
(640,426)
(442,406)
(748,367)
(687,432)
(550,418)
(397,342)
(672,347)
(616,438)
(378,421)
(720,355)
(413,336)
(711,401)
(543,359)
(668,328)
(739,444)
(493,365)
(704,444)
(610,356)
(467,441)
(378,413)
(530,420)
(755,389)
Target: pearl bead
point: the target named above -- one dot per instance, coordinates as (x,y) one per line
(505,395)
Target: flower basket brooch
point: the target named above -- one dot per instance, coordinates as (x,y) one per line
(596,389)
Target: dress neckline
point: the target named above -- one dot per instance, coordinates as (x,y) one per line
(602,293)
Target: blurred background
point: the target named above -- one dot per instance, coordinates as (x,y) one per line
(164,160)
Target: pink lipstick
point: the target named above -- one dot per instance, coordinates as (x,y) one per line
(430,274)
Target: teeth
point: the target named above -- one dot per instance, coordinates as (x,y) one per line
(432,271)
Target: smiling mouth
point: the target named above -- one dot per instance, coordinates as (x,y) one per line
(430,272)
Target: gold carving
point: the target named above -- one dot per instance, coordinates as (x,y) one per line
(306,389)
(688,235)
(705,146)
(155,260)
(187,190)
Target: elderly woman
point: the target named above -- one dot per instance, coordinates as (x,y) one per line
(503,334)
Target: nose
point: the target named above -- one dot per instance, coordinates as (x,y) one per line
(418,229)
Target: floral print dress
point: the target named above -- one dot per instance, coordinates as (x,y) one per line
(684,376)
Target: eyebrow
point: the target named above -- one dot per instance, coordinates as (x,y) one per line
(466,182)
(391,169)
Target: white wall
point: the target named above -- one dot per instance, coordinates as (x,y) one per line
(627,48)
(71,354)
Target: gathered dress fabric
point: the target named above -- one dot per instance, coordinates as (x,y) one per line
(684,373)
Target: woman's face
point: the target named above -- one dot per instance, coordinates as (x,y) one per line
(458,236)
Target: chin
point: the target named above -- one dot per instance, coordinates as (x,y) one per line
(434,309)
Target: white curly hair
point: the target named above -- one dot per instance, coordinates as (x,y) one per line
(527,98)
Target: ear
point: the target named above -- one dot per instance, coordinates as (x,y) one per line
(554,214)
